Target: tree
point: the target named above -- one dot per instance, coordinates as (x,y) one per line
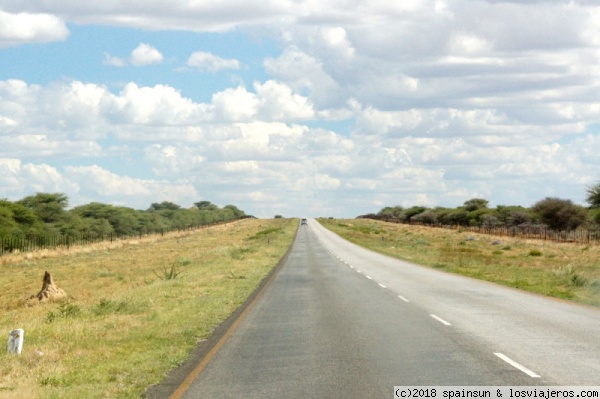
(593,195)
(396,212)
(489,221)
(237,213)
(164,205)
(18,220)
(513,215)
(458,216)
(207,205)
(49,207)
(475,204)
(413,211)
(560,214)
(426,217)
(125,221)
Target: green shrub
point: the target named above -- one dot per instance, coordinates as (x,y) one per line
(106,306)
(264,233)
(65,310)
(239,253)
(572,277)
(169,274)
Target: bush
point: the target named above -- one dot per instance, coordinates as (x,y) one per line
(169,274)
(65,310)
(427,217)
(572,277)
(559,214)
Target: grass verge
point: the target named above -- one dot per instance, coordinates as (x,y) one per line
(561,270)
(134,310)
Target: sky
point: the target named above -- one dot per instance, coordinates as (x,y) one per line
(333,108)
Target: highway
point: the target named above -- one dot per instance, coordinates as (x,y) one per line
(339,321)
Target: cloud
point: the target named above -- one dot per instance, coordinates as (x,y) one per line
(235,105)
(63,119)
(114,61)
(144,54)
(184,15)
(101,184)
(210,62)
(278,102)
(420,101)
(41,146)
(305,73)
(271,101)
(72,110)
(21,28)
(19,179)
(157,105)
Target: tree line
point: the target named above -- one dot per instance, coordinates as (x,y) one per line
(46,215)
(551,212)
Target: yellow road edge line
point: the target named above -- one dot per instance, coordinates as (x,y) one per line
(187,382)
(200,367)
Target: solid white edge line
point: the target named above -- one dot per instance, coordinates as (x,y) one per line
(517,365)
(404,299)
(381,285)
(440,320)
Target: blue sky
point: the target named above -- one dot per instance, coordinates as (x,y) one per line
(301,108)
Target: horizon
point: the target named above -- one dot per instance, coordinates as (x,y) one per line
(300,108)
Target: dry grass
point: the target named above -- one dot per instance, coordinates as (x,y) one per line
(562,270)
(134,309)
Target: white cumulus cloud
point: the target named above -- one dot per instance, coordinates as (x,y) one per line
(21,28)
(211,63)
(145,54)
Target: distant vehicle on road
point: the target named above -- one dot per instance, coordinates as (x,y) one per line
(303,221)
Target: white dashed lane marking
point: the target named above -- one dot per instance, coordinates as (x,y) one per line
(505,358)
(444,322)
(517,365)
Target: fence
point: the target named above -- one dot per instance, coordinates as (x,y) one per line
(30,244)
(539,232)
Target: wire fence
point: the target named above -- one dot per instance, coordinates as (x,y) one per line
(30,244)
(530,231)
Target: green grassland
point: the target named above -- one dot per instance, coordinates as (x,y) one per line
(561,270)
(134,309)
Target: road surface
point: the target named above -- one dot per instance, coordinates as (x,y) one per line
(338,321)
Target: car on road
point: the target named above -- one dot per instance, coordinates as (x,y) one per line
(303,221)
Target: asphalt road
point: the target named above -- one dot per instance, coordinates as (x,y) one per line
(338,321)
